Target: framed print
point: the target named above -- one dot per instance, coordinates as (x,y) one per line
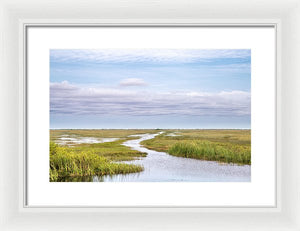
(149,115)
(163,111)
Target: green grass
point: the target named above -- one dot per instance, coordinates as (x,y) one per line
(86,159)
(79,160)
(98,133)
(66,163)
(228,146)
(206,150)
(113,151)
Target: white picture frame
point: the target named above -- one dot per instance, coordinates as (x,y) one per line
(13,214)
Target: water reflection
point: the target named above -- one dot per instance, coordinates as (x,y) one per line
(118,177)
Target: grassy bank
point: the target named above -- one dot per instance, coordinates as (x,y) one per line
(73,159)
(113,151)
(228,146)
(64,162)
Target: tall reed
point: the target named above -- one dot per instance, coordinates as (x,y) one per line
(205,150)
(66,163)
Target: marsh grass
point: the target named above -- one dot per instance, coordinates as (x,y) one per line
(98,133)
(89,159)
(113,151)
(66,163)
(206,150)
(228,146)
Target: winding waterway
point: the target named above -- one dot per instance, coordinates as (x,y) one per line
(162,167)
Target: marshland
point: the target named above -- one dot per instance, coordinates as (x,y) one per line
(150,155)
(123,94)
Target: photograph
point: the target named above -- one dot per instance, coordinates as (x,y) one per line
(150,115)
(165,116)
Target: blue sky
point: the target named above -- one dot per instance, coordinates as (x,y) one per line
(150,88)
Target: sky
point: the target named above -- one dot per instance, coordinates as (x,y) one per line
(150,88)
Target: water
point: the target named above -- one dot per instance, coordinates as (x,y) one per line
(70,141)
(162,167)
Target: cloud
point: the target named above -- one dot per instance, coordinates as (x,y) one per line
(66,98)
(132,82)
(145,55)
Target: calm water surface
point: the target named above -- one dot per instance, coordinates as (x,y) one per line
(162,167)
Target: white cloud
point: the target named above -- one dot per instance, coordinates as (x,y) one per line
(66,98)
(132,82)
(144,55)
